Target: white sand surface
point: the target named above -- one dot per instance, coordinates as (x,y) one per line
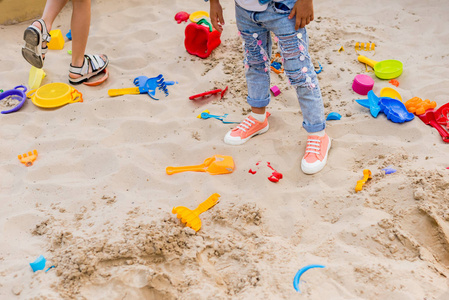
(97,201)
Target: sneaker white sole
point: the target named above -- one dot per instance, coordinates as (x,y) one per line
(235,141)
(312,169)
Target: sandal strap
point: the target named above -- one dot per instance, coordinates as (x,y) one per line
(95,61)
(46,37)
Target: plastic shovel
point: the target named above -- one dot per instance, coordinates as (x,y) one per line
(442,115)
(386,69)
(215,165)
(429,119)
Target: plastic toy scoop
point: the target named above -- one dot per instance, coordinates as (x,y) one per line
(386,69)
(192,217)
(360,183)
(215,165)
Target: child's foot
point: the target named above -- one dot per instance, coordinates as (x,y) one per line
(36,37)
(315,157)
(92,65)
(246,130)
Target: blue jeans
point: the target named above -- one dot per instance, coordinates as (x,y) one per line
(255,29)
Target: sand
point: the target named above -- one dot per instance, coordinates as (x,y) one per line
(97,201)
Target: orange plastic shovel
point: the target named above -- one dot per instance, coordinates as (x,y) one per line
(192,217)
(360,183)
(215,165)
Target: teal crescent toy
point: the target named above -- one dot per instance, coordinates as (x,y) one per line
(300,272)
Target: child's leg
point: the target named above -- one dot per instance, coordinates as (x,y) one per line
(257,51)
(257,47)
(83,66)
(51,11)
(301,74)
(37,35)
(80,30)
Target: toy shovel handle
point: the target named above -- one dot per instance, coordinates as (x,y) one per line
(126,91)
(197,168)
(444,134)
(366,60)
(211,201)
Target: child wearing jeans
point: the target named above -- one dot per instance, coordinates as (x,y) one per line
(286,19)
(37,36)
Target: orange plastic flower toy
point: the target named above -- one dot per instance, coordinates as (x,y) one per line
(418,106)
(27,160)
(192,217)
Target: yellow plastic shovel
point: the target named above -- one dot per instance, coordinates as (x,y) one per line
(192,217)
(215,165)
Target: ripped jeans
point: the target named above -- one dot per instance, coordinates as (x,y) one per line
(255,28)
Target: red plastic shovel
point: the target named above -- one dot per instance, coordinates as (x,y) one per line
(429,119)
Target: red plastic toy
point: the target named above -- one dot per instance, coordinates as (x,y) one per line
(209,93)
(200,41)
(442,115)
(182,16)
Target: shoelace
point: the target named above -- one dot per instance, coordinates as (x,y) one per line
(247,123)
(313,146)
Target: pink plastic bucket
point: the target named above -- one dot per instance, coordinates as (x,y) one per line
(362,84)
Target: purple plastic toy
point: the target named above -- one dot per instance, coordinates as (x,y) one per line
(18,93)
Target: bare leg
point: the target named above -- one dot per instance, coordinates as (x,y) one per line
(258,110)
(80,30)
(51,11)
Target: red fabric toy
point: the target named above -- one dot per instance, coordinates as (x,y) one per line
(200,41)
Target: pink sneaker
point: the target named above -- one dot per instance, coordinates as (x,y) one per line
(246,130)
(315,157)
